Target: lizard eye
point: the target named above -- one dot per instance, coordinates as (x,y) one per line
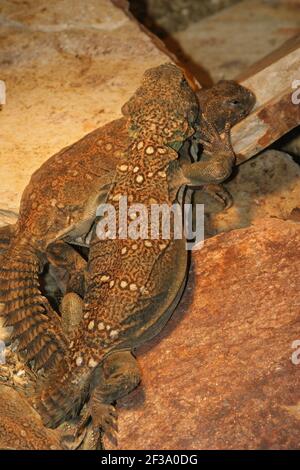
(183,82)
(234,102)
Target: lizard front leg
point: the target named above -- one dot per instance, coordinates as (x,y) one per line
(220,161)
(217,192)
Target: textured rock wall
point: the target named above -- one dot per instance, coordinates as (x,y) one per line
(69,65)
(266,186)
(225,44)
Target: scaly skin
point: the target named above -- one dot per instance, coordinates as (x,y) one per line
(160,117)
(132,286)
(58,204)
(227,102)
(58,219)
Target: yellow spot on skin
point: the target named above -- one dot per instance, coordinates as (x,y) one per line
(136,169)
(152,200)
(92,362)
(123,168)
(162,150)
(133,287)
(143,290)
(114,334)
(162,246)
(79,361)
(108,327)
(112,283)
(91,325)
(140,145)
(101,326)
(124,250)
(86,315)
(108,146)
(162,174)
(139,179)
(150,174)
(71,344)
(148,243)
(134,246)
(53,202)
(104,278)
(123,284)
(149,150)
(132,215)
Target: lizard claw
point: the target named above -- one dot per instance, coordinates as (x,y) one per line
(212,142)
(219,193)
(85,433)
(73,436)
(104,417)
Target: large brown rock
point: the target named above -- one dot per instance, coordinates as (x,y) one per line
(69,66)
(220,376)
(266,186)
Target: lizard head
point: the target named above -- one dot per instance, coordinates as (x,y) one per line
(164,107)
(227,101)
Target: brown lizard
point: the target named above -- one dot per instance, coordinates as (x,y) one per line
(226,102)
(66,199)
(133,286)
(87,147)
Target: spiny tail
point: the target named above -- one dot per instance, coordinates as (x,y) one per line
(35,325)
(63,394)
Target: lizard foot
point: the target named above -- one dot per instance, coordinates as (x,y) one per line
(104,418)
(73,435)
(219,193)
(86,433)
(213,143)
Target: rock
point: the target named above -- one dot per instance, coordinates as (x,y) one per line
(220,375)
(266,186)
(21,427)
(228,42)
(164,17)
(65,76)
(293,145)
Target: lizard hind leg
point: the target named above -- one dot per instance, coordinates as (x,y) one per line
(117,376)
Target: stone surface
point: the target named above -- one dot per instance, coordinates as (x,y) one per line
(164,17)
(228,42)
(220,376)
(21,427)
(267,186)
(65,74)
